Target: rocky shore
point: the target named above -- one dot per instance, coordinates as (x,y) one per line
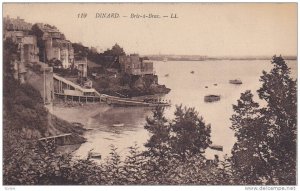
(125,85)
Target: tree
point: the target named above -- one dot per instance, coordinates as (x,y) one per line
(115,51)
(36,30)
(265,151)
(80,51)
(9,83)
(280,92)
(134,170)
(158,126)
(249,152)
(184,136)
(189,134)
(114,54)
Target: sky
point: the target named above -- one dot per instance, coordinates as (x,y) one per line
(211,29)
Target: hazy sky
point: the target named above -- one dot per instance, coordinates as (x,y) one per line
(217,29)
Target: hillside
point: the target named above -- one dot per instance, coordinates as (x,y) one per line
(24,111)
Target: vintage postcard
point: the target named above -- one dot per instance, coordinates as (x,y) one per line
(149,94)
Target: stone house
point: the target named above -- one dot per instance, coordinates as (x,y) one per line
(134,65)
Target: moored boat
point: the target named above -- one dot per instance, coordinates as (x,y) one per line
(118,124)
(94,155)
(212,98)
(216,147)
(236,81)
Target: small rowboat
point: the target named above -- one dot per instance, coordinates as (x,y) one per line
(118,124)
(95,155)
(216,147)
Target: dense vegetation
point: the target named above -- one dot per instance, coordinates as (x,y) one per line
(265,151)
(24,120)
(108,58)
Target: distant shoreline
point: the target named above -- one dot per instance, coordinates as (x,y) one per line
(206,58)
(214,59)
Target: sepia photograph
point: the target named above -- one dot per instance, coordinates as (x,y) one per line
(149,94)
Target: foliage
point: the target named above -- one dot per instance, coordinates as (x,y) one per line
(115,51)
(55,63)
(280,115)
(134,168)
(159,127)
(184,136)
(80,50)
(249,151)
(107,59)
(38,164)
(32,164)
(265,151)
(113,167)
(195,171)
(24,109)
(35,30)
(189,134)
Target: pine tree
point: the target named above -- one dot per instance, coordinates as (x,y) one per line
(158,145)
(189,133)
(249,151)
(280,92)
(265,151)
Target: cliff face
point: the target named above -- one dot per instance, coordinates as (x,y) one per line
(129,85)
(148,85)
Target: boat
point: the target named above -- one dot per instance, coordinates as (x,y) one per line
(235,81)
(192,72)
(118,124)
(216,147)
(95,155)
(212,98)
